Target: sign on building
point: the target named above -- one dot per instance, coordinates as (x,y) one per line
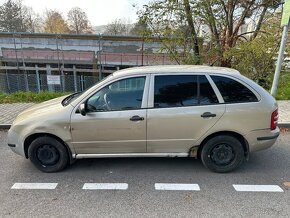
(53,80)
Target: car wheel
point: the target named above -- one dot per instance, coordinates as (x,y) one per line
(48,154)
(222,153)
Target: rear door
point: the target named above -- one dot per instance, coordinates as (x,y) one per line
(181,109)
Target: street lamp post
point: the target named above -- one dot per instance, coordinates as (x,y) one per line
(285,24)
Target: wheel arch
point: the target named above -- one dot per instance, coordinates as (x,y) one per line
(231,133)
(34,136)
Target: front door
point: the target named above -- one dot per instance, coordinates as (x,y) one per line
(115,121)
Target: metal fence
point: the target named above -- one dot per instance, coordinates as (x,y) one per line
(10,83)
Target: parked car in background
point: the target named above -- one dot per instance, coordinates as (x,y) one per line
(211,113)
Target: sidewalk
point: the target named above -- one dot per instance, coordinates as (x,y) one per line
(8,113)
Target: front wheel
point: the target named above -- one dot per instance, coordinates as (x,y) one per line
(222,153)
(48,154)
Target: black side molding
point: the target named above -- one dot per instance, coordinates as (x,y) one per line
(12,145)
(268,137)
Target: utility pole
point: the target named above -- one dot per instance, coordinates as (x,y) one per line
(285,24)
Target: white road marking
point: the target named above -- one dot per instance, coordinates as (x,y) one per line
(34,186)
(258,188)
(177,187)
(105,186)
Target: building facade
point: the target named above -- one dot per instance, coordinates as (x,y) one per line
(65,62)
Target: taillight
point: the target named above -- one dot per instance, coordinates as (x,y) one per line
(274,119)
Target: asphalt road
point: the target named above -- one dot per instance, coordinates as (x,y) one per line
(216,197)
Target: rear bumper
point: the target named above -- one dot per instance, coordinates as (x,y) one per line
(262,139)
(266,138)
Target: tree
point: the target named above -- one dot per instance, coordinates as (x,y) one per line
(32,21)
(78,21)
(173,23)
(256,57)
(139,29)
(55,23)
(16,17)
(11,19)
(117,27)
(224,19)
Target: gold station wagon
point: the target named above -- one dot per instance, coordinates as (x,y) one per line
(211,113)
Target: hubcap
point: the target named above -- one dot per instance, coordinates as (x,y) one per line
(222,154)
(47,155)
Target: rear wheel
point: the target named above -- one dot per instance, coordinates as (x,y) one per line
(222,153)
(48,154)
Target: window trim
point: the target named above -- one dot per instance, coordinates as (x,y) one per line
(152,87)
(144,97)
(216,90)
(258,96)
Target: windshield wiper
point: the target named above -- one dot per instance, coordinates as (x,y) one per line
(67,100)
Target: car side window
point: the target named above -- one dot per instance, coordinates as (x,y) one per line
(124,94)
(232,91)
(207,94)
(182,90)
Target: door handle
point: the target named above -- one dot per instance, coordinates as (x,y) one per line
(136,118)
(207,114)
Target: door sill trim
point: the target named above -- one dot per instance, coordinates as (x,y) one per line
(81,156)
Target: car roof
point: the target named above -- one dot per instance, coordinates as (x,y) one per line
(175,69)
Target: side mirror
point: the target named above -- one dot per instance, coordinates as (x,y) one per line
(82,109)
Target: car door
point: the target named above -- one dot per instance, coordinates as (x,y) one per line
(181,109)
(115,121)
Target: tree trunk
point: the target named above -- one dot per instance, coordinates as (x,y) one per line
(192,30)
(226,62)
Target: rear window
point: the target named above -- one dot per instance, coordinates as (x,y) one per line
(232,91)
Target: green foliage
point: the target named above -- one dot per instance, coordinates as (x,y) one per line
(223,19)
(140,29)
(10,17)
(29,97)
(283,92)
(167,21)
(256,59)
(16,17)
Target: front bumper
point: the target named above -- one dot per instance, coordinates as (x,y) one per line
(15,142)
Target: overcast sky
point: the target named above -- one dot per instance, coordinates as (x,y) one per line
(100,12)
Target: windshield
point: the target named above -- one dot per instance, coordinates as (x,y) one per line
(75,95)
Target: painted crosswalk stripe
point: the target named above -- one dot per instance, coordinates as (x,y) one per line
(177,187)
(258,188)
(34,186)
(105,186)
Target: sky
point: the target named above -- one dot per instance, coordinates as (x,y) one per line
(99,12)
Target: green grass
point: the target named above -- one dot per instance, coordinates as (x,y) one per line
(29,97)
(283,92)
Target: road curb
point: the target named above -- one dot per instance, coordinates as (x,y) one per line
(284,125)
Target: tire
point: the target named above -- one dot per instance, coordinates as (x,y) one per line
(48,154)
(222,154)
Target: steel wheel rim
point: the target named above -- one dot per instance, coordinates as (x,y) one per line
(222,154)
(47,155)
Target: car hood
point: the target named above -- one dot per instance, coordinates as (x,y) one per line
(44,109)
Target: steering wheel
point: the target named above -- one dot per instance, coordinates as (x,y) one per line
(107,102)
